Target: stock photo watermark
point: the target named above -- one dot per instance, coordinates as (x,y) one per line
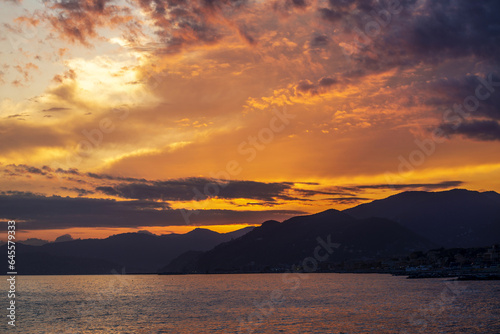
(248,148)
(423,317)
(452,117)
(308,265)
(12,272)
(95,137)
(376,21)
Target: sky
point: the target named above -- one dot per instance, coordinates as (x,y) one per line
(119,116)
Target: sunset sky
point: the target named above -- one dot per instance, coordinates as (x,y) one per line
(164,115)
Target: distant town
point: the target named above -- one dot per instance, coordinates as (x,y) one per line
(464,263)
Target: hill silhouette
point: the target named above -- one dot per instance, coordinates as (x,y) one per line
(132,252)
(454,218)
(280,245)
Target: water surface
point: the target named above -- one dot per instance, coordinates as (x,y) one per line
(254,303)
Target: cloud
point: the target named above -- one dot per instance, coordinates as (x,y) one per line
(81,192)
(110,177)
(456,29)
(340,191)
(200,189)
(409,186)
(36,212)
(467,115)
(175,24)
(286,7)
(26,71)
(323,85)
(72,171)
(350,194)
(180,24)
(330,14)
(381,35)
(20,117)
(320,41)
(18,169)
(25,137)
(478,130)
(451,91)
(78,20)
(24,169)
(199,116)
(347,200)
(54,109)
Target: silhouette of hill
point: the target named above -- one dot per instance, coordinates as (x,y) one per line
(454,218)
(31,261)
(275,244)
(34,242)
(136,252)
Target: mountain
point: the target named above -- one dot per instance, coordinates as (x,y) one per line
(275,244)
(30,261)
(34,242)
(238,233)
(135,252)
(454,218)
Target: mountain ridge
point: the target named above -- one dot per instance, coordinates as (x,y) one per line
(135,252)
(281,245)
(452,218)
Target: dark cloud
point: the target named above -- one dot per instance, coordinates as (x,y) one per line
(484,130)
(456,28)
(72,171)
(200,189)
(452,91)
(185,189)
(323,84)
(346,9)
(246,35)
(420,186)
(35,212)
(347,200)
(351,194)
(330,14)
(298,3)
(287,7)
(432,32)
(427,30)
(338,191)
(327,82)
(465,114)
(20,117)
(24,169)
(55,109)
(428,33)
(320,41)
(305,86)
(46,170)
(81,192)
(116,178)
(78,20)
(183,23)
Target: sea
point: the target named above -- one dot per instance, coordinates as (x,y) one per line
(252,303)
